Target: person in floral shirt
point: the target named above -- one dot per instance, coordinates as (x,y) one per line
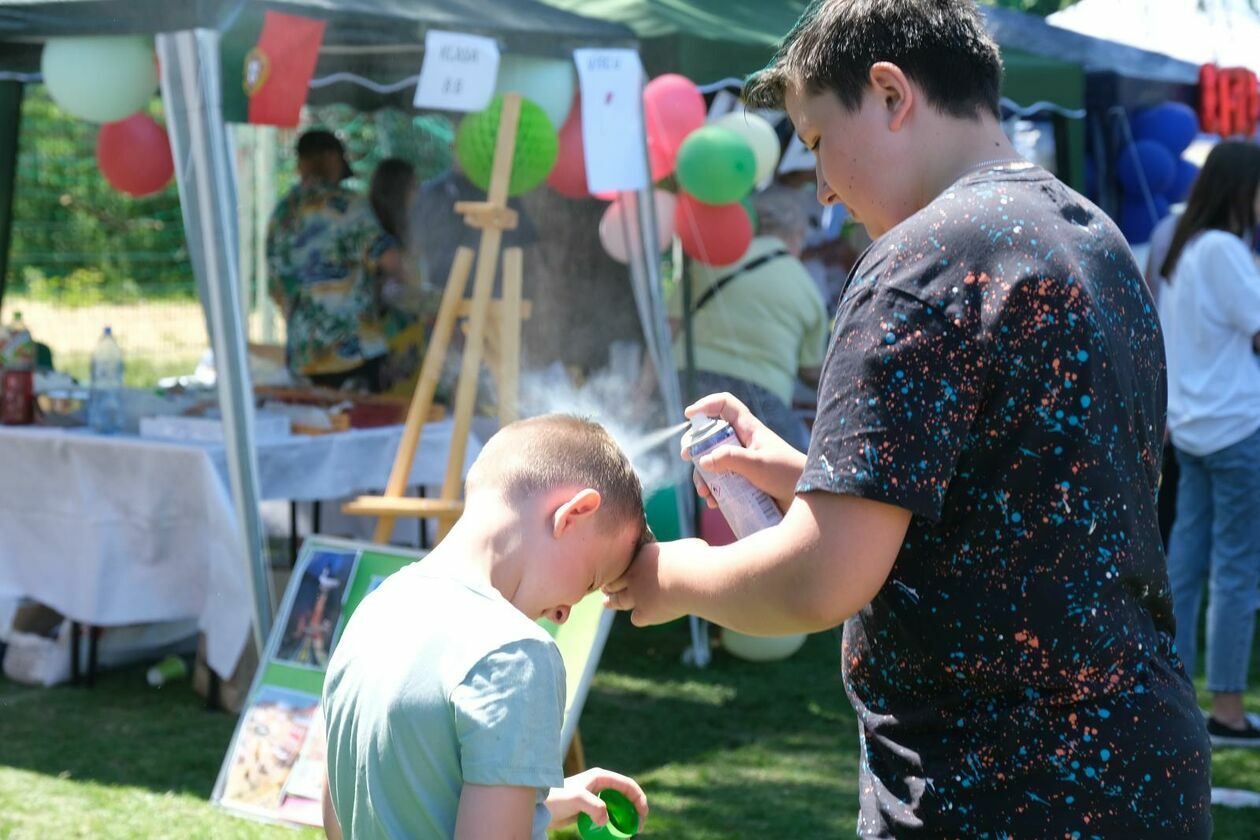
(323,246)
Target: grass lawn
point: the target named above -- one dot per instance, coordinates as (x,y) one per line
(738,750)
(138,371)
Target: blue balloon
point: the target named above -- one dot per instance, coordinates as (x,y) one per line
(1136,222)
(1150,158)
(1182,181)
(1173,125)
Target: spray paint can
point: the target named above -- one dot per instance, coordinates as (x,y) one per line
(746,509)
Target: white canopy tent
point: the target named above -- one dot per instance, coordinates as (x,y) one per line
(375,38)
(1222,32)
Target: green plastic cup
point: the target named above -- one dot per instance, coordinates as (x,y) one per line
(168,670)
(623,819)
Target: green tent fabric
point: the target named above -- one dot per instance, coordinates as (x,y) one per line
(711,40)
(704,40)
(1029,79)
(380,39)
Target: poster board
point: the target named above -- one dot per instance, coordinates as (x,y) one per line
(274,766)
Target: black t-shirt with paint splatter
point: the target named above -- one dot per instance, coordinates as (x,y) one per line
(997,369)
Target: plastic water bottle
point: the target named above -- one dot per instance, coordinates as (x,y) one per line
(105,402)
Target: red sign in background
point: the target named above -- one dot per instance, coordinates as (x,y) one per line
(1229,101)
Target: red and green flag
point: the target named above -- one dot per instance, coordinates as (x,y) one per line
(267,62)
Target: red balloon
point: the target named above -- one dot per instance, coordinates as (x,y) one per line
(660,162)
(673,107)
(714,234)
(134,155)
(568,177)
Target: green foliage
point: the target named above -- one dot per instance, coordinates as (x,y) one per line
(76,239)
(81,287)
(426,141)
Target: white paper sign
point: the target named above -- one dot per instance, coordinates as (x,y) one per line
(458,73)
(612,119)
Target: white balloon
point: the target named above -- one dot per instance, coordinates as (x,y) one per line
(100,78)
(619,226)
(759,134)
(547,82)
(761,648)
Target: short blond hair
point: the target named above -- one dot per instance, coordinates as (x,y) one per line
(560,450)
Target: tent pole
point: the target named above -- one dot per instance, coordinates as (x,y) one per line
(203,165)
(10,128)
(645,273)
(264,202)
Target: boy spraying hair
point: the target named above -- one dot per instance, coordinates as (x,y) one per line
(977,505)
(444,698)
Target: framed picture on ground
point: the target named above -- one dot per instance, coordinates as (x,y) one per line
(274,767)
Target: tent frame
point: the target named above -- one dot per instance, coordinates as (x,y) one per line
(189,60)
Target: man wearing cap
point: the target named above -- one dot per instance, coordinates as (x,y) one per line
(322,272)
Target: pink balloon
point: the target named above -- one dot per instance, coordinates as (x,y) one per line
(673,107)
(619,227)
(660,163)
(714,234)
(134,155)
(568,177)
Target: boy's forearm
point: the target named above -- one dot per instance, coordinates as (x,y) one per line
(332,828)
(499,811)
(822,564)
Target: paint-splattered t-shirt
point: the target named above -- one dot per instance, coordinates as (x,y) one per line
(997,369)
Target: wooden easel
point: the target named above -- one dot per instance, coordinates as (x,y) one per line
(493,329)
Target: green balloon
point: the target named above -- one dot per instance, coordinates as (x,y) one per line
(536,146)
(716,165)
(751,211)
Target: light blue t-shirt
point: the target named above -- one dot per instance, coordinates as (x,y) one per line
(437,682)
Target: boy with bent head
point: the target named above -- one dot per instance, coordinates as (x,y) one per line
(977,505)
(444,698)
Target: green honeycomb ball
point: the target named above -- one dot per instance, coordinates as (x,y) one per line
(536,146)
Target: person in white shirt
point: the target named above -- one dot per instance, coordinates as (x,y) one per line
(1210,310)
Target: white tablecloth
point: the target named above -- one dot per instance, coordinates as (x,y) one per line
(125,530)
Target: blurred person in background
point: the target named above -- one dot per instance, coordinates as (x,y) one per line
(406,306)
(759,323)
(321,244)
(1210,310)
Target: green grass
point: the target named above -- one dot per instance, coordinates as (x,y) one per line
(121,760)
(737,750)
(138,372)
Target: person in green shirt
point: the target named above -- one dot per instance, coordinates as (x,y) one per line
(760,323)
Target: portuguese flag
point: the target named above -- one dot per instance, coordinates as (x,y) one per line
(267,62)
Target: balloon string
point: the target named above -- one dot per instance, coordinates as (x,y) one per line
(354,79)
(1118,113)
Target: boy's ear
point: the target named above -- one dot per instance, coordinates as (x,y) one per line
(580,507)
(896,94)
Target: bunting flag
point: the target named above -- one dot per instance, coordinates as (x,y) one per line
(267,63)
